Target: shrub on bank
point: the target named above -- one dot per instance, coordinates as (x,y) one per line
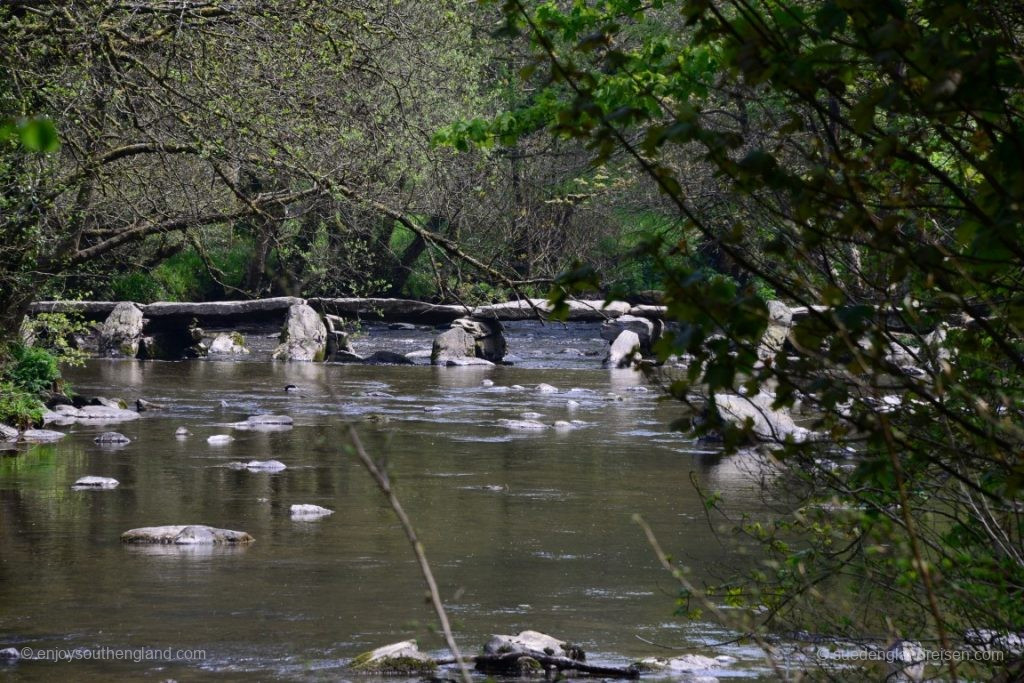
(26,372)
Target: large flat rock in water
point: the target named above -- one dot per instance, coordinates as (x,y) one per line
(185,534)
(390,310)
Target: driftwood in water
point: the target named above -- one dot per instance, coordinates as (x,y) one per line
(519,663)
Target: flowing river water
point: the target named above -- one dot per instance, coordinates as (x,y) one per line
(524,530)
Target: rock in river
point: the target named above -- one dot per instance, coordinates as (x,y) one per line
(307,512)
(259,465)
(94,414)
(402,658)
(42,435)
(112,438)
(523,425)
(686,663)
(268,423)
(534,643)
(387,358)
(452,344)
(467,361)
(185,534)
(181,432)
(767,423)
(122,331)
(228,345)
(623,350)
(218,439)
(8,433)
(88,483)
(304,337)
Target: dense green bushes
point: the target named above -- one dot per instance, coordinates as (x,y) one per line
(25,372)
(185,277)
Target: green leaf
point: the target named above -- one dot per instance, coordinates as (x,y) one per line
(39,135)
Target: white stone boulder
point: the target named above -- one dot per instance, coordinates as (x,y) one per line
(304,336)
(624,351)
(532,643)
(768,423)
(121,332)
(228,345)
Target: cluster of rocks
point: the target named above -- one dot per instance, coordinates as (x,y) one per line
(470,341)
(527,654)
(631,338)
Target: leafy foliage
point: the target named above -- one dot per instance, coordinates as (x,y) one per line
(867,151)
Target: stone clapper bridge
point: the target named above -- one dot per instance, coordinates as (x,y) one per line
(312,330)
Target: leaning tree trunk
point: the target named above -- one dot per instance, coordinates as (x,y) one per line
(403,267)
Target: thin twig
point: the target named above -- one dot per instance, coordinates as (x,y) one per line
(384,484)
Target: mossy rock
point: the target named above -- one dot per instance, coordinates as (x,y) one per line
(399,666)
(529,666)
(400,659)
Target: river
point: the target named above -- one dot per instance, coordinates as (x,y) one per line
(524,530)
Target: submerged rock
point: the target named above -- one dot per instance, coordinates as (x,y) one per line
(467,361)
(268,423)
(306,511)
(546,389)
(386,358)
(95,483)
(9,654)
(42,435)
(403,658)
(185,534)
(685,663)
(523,425)
(259,465)
(304,336)
(533,643)
(142,405)
(93,414)
(112,438)
(346,357)
(181,432)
